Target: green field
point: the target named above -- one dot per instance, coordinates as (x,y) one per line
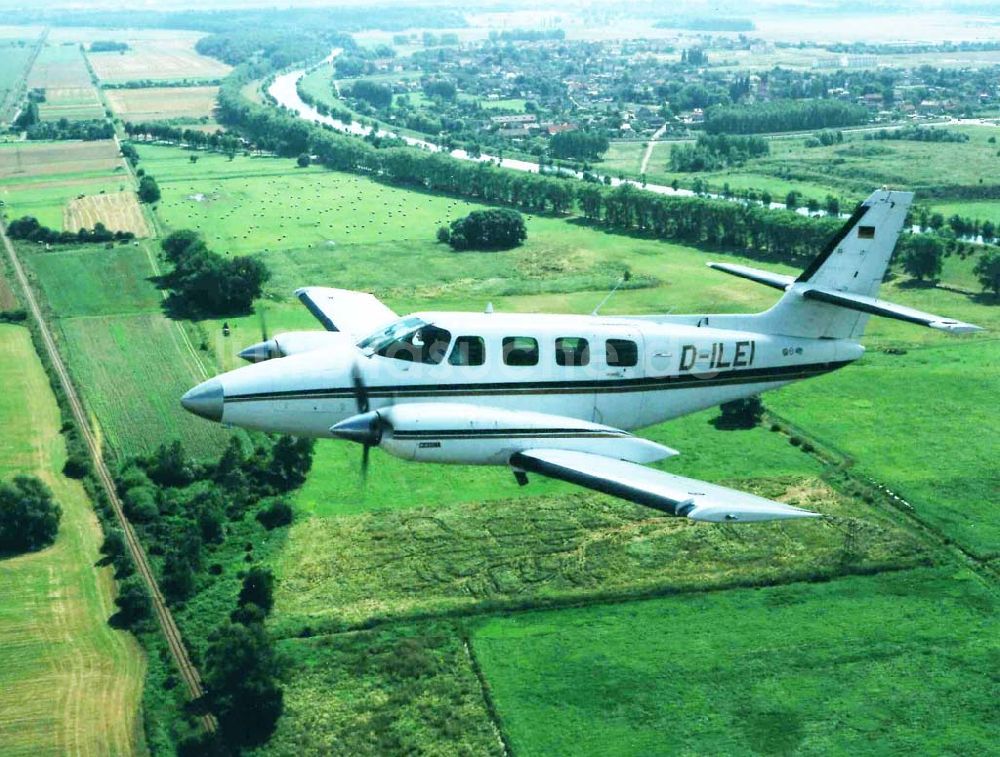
(131,363)
(853,169)
(69,684)
(890,664)
(623,157)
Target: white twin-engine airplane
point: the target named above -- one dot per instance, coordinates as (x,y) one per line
(556,395)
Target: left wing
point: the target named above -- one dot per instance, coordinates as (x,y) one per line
(357,314)
(674,495)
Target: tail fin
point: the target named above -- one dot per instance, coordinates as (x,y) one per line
(834,297)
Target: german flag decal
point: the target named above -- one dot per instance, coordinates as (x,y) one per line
(866,232)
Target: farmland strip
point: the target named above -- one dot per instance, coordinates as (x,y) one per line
(170,631)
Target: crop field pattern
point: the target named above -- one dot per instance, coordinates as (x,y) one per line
(69,93)
(69,684)
(118,211)
(42,178)
(162,103)
(162,59)
(14,57)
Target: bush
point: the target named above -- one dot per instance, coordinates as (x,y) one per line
(133,602)
(278,514)
(498,229)
(149,190)
(29,518)
(258,589)
(77,466)
(444,234)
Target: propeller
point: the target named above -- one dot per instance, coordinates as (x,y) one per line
(366,427)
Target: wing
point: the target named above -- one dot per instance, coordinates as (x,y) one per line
(357,314)
(674,495)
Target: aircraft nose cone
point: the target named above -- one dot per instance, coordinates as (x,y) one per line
(205,400)
(362,429)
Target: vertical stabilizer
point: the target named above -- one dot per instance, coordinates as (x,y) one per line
(854,262)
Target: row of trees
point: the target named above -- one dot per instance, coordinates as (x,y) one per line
(30,229)
(783,115)
(918,134)
(219,140)
(716,151)
(578,144)
(205,283)
(66,129)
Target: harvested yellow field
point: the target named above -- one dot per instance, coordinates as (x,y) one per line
(162,103)
(157,59)
(118,211)
(69,683)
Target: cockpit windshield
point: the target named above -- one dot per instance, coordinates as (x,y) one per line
(410,339)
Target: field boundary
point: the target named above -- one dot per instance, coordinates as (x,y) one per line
(178,650)
(839,465)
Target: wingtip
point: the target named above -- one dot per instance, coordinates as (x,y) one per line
(777,511)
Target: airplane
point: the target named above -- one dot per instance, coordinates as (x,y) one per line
(559,395)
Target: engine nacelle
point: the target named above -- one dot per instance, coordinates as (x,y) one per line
(473,435)
(293,343)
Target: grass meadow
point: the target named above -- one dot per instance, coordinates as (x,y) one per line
(69,683)
(130,361)
(869,665)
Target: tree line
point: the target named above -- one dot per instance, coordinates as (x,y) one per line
(783,115)
(30,229)
(184,512)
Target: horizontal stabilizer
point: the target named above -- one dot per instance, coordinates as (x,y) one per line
(775,280)
(674,495)
(874,306)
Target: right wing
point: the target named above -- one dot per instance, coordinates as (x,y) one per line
(674,495)
(357,314)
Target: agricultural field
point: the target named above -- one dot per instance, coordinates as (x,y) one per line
(853,169)
(860,665)
(158,59)
(69,683)
(118,211)
(14,58)
(130,362)
(162,104)
(41,179)
(622,157)
(69,93)
(398,582)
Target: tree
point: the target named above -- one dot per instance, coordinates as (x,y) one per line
(278,513)
(176,244)
(258,589)
(240,679)
(134,605)
(178,577)
(578,145)
(149,190)
(29,518)
(497,229)
(987,270)
(444,234)
(923,257)
(303,160)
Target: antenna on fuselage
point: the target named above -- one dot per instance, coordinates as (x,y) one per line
(625,277)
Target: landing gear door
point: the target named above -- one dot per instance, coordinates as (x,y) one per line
(619,354)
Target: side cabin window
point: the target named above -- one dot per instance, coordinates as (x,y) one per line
(572,351)
(468,350)
(520,350)
(622,353)
(427,344)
